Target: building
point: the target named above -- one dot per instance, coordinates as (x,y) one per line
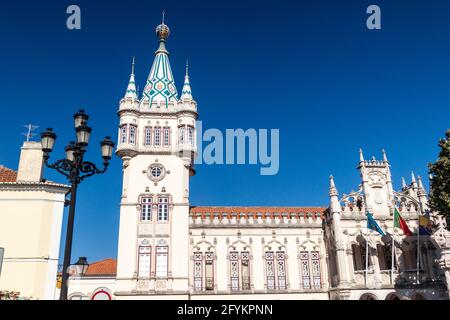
(169,249)
(31,213)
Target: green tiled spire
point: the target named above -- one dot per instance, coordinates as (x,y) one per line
(131,89)
(187,91)
(160,87)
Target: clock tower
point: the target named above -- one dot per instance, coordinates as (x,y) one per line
(377,185)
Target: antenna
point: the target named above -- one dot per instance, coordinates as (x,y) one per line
(29,134)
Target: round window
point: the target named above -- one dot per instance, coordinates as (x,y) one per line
(156,172)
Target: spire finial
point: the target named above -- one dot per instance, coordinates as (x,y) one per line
(413,177)
(163,16)
(187,67)
(333,190)
(132,66)
(361,156)
(403,183)
(384,156)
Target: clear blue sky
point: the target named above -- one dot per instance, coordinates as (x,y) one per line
(310,68)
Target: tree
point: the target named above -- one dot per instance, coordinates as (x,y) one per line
(440,179)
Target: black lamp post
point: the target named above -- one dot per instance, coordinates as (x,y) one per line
(75,169)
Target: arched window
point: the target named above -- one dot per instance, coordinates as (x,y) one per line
(240,270)
(310,269)
(392,296)
(385,257)
(203,271)
(276,270)
(359,256)
(144,261)
(162,253)
(368,296)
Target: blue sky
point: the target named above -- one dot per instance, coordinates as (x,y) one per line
(309,68)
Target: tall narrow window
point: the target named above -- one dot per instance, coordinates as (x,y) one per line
(161,261)
(163,209)
(144,261)
(132,135)
(304,262)
(166,136)
(315,270)
(234,270)
(270,270)
(281,270)
(191,136)
(146,209)
(148,136)
(157,136)
(209,270)
(198,274)
(123,134)
(245,265)
(181,134)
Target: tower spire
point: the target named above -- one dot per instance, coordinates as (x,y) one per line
(413,181)
(361,156)
(131,89)
(385,159)
(187,91)
(160,88)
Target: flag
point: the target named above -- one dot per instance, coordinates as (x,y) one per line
(425,225)
(373,225)
(400,223)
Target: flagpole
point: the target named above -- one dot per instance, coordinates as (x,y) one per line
(367,253)
(418,251)
(393,255)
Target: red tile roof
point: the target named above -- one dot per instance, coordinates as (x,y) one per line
(104,267)
(247,212)
(7,175)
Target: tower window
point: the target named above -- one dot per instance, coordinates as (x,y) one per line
(166,136)
(161,261)
(148,136)
(163,209)
(181,134)
(157,136)
(123,134)
(146,209)
(144,261)
(191,136)
(132,135)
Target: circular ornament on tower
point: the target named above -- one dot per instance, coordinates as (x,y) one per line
(156,172)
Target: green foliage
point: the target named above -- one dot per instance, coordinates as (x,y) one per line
(440,182)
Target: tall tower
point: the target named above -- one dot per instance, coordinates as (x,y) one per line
(157,144)
(377,185)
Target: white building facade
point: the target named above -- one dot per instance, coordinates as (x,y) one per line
(31,215)
(169,249)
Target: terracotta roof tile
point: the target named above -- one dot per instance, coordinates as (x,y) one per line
(7,175)
(104,267)
(254,211)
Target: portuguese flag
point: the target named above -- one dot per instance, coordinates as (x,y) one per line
(400,223)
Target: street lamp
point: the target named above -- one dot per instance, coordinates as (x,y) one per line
(75,169)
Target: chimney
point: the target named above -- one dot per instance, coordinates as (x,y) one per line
(31,162)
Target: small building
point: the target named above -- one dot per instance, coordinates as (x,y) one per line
(31,214)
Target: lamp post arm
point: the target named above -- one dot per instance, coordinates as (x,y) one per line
(89,169)
(63,166)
